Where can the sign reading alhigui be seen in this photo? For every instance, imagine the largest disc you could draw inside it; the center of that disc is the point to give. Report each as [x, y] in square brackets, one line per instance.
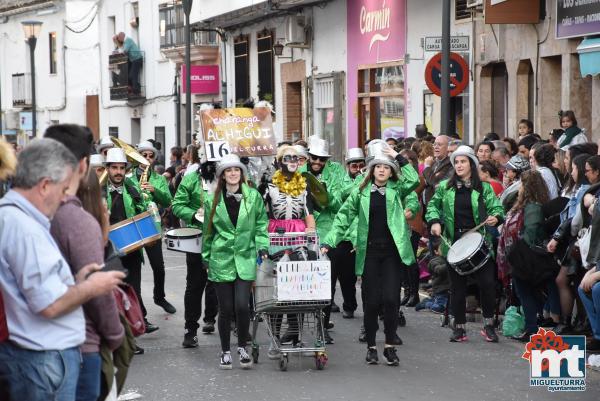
[577, 18]
[243, 131]
[204, 79]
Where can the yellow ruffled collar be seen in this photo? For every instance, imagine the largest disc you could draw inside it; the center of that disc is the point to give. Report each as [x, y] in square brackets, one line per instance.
[293, 187]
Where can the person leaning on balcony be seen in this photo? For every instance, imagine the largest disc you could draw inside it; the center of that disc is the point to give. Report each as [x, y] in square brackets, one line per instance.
[134, 55]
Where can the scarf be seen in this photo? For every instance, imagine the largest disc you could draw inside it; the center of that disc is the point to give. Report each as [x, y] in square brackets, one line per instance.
[570, 133]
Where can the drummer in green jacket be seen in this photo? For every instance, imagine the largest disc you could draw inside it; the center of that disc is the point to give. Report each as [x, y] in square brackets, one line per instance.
[188, 206]
[124, 200]
[383, 246]
[459, 205]
[154, 189]
[334, 177]
[235, 233]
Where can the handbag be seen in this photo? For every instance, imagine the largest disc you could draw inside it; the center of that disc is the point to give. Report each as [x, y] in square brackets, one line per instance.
[129, 305]
[583, 241]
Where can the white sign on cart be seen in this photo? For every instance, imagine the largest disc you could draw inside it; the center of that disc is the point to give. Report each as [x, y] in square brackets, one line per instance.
[304, 280]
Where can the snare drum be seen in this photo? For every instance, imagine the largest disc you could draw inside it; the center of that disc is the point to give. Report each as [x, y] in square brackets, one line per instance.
[184, 240]
[469, 254]
[134, 233]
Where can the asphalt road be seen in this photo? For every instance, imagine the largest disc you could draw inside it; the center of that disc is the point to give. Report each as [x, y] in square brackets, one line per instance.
[430, 368]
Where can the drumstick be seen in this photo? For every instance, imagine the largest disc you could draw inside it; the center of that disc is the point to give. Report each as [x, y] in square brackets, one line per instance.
[475, 228]
[446, 242]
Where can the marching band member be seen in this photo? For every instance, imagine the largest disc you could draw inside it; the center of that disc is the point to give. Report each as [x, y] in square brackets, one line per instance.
[235, 232]
[460, 203]
[105, 144]
[158, 189]
[334, 177]
[383, 246]
[187, 205]
[124, 200]
[97, 164]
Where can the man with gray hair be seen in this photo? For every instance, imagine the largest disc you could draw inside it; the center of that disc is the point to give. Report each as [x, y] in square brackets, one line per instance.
[437, 168]
[42, 299]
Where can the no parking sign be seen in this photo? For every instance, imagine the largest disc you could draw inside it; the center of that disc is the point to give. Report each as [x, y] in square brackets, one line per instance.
[459, 74]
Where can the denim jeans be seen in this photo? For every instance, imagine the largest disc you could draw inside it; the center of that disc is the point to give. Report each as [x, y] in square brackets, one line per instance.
[591, 302]
[38, 375]
[88, 385]
[533, 303]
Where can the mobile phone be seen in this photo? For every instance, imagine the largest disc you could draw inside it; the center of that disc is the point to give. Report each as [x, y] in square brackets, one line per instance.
[107, 267]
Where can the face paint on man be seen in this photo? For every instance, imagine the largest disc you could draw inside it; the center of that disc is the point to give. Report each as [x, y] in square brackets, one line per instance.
[289, 164]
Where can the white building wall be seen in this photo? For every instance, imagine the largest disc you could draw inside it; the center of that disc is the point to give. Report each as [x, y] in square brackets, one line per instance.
[424, 18]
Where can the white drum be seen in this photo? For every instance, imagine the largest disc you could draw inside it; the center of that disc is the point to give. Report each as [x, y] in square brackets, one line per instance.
[469, 254]
[184, 240]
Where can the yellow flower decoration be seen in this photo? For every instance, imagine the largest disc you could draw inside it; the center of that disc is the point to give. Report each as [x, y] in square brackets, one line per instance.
[293, 187]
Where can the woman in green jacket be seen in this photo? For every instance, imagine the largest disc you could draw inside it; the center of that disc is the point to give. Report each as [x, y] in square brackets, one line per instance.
[382, 242]
[460, 204]
[235, 232]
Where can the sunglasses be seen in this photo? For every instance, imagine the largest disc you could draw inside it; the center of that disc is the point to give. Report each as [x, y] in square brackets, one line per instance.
[290, 159]
[315, 158]
[150, 155]
[356, 165]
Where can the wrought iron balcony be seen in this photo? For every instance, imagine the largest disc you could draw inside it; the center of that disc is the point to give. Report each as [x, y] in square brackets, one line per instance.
[123, 84]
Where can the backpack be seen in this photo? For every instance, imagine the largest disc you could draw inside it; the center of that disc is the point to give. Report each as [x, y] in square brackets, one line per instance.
[129, 306]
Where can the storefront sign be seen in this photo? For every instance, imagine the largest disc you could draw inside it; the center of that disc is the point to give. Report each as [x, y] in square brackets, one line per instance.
[377, 31]
[204, 79]
[243, 131]
[577, 18]
[457, 44]
[512, 12]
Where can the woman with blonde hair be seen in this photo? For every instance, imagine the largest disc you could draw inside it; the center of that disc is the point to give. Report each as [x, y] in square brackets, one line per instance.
[426, 150]
[560, 166]
[8, 165]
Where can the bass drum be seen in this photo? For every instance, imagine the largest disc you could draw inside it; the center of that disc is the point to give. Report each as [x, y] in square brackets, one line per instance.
[469, 254]
[184, 240]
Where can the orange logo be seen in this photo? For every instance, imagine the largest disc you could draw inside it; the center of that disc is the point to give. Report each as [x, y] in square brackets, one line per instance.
[542, 341]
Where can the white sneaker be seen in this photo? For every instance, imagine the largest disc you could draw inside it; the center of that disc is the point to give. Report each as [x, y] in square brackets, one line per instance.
[225, 360]
[245, 359]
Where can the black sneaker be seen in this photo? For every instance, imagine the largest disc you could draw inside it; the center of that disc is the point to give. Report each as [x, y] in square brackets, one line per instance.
[150, 328]
[458, 335]
[163, 303]
[330, 326]
[138, 350]
[362, 338]
[390, 356]
[372, 358]
[524, 337]
[489, 333]
[289, 338]
[225, 360]
[190, 339]
[208, 328]
[397, 340]
[327, 338]
[348, 314]
[245, 359]
[334, 308]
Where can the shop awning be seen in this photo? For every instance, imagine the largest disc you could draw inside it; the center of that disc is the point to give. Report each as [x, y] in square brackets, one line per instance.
[589, 57]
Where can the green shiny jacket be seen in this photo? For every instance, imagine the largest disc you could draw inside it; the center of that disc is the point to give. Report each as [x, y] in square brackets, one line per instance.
[231, 251]
[188, 199]
[336, 179]
[357, 207]
[132, 207]
[440, 209]
[161, 195]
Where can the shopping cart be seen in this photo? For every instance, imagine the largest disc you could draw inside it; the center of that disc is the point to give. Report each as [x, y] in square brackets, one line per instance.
[296, 281]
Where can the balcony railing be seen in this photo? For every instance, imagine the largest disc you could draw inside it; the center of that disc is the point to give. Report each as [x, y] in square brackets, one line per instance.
[21, 89]
[123, 84]
[175, 37]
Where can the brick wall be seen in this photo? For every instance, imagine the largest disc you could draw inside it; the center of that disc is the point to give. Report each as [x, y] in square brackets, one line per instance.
[293, 81]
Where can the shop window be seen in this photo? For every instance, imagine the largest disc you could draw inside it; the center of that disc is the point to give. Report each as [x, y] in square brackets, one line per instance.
[52, 51]
[381, 101]
[328, 99]
[264, 48]
[242, 68]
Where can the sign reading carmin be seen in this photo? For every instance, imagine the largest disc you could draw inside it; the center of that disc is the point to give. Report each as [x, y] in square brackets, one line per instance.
[243, 131]
[304, 281]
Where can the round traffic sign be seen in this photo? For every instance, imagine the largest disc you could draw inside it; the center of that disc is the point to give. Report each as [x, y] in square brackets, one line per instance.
[459, 74]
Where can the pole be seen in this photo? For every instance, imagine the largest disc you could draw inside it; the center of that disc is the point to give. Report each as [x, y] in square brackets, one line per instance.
[224, 78]
[187, 8]
[445, 114]
[32, 42]
[177, 110]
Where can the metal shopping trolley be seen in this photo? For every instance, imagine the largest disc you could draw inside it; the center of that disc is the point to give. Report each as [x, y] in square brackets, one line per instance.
[295, 281]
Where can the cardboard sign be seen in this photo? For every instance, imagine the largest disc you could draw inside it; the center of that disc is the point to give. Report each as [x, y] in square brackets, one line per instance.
[243, 131]
[304, 281]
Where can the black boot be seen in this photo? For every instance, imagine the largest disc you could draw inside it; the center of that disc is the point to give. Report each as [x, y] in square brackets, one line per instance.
[413, 275]
[564, 327]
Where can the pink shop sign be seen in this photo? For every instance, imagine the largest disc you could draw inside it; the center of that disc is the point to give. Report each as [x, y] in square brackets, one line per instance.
[204, 79]
[377, 31]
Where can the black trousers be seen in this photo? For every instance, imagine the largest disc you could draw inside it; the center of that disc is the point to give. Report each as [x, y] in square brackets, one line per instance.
[133, 263]
[157, 263]
[332, 255]
[485, 278]
[234, 299]
[381, 285]
[196, 282]
[134, 74]
[345, 271]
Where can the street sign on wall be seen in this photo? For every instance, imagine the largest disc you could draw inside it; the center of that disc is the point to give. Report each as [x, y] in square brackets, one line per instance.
[577, 18]
[204, 79]
[459, 74]
[457, 44]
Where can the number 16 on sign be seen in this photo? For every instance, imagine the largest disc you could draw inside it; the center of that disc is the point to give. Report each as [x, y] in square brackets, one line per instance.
[216, 150]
